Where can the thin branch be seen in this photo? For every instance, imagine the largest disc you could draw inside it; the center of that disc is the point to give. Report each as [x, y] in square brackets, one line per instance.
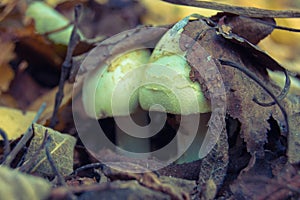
[61, 180]
[66, 66]
[27, 135]
[55, 171]
[243, 11]
[282, 94]
[261, 84]
[274, 25]
[88, 166]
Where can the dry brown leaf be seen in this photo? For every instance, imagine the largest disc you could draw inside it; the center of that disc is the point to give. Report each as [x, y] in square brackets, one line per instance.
[121, 190]
[292, 105]
[121, 171]
[213, 166]
[253, 185]
[6, 55]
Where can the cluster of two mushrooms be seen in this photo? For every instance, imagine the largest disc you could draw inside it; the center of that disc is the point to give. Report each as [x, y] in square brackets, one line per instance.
[159, 82]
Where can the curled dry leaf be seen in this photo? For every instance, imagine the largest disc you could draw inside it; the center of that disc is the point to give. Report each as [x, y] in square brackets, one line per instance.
[294, 137]
[214, 165]
[148, 180]
[241, 90]
[61, 149]
[247, 28]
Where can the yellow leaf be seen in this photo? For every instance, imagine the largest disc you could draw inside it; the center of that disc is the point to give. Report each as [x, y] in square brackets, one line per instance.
[15, 122]
[16, 185]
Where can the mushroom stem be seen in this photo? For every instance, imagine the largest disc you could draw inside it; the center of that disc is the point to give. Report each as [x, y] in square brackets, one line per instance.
[187, 139]
[133, 139]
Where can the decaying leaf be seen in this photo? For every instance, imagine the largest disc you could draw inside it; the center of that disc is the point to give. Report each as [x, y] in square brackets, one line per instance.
[250, 29]
[213, 166]
[294, 138]
[122, 190]
[240, 89]
[15, 122]
[256, 185]
[18, 186]
[61, 149]
[148, 180]
[133, 190]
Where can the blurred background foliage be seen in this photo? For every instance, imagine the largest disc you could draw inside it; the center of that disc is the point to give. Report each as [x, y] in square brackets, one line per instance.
[283, 46]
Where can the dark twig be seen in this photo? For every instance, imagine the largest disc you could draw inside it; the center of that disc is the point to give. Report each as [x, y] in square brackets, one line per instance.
[27, 165]
[27, 135]
[55, 171]
[243, 11]
[6, 145]
[274, 25]
[88, 166]
[66, 66]
[282, 94]
[261, 84]
[60, 178]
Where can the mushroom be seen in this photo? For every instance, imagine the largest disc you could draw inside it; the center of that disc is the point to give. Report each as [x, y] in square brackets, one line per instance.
[109, 91]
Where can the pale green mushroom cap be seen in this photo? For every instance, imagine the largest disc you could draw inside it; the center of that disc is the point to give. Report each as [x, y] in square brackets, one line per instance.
[167, 83]
[115, 82]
